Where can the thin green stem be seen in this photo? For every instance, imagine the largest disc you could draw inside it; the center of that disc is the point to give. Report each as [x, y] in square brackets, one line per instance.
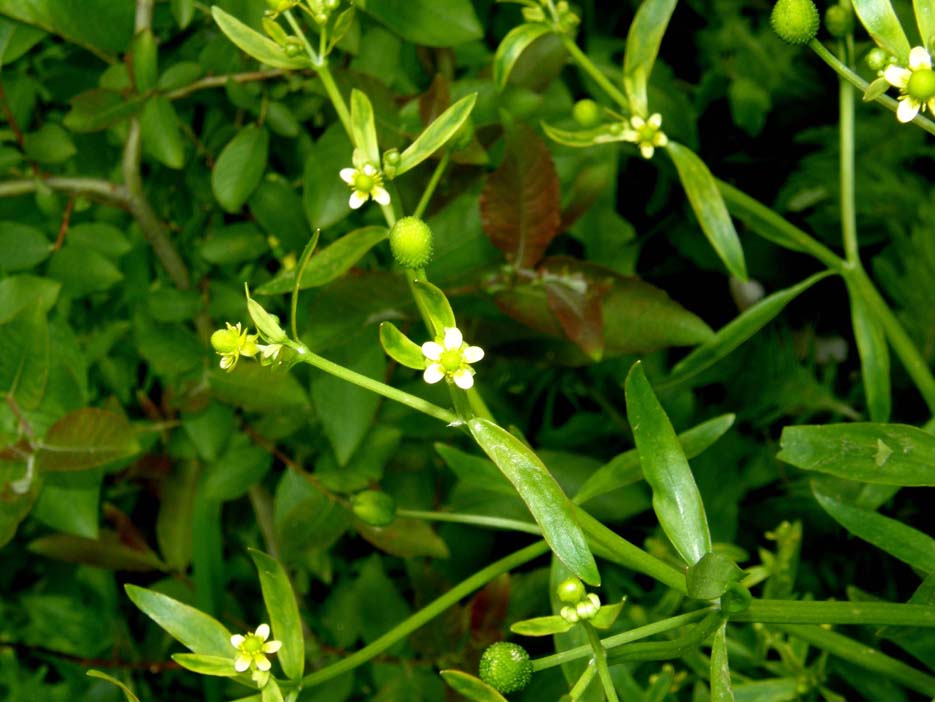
[866, 613]
[222, 80]
[575, 693]
[588, 66]
[300, 270]
[297, 28]
[432, 184]
[846, 141]
[337, 100]
[387, 391]
[91, 187]
[427, 613]
[480, 520]
[600, 660]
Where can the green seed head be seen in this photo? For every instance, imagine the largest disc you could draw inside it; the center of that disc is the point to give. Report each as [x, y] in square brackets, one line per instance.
[506, 667]
[795, 21]
[922, 84]
[411, 242]
[587, 113]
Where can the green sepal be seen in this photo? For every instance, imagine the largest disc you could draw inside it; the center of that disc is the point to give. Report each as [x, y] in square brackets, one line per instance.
[267, 324]
[541, 626]
[400, 347]
[207, 665]
[471, 687]
[876, 89]
[364, 128]
[607, 615]
[711, 577]
[437, 134]
[435, 304]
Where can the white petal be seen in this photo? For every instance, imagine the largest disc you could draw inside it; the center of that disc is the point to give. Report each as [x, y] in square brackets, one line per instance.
[433, 373]
[908, 109]
[655, 120]
[453, 338]
[646, 150]
[262, 662]
[357, 199]
[262, 631]
[369, 170]
[897, 76]
[241, 664]
[637, 122]
[272, 646]
[348, 175]
[464, 378]
[228, 362]
[358, 159]
[660, 139]
[380, 195]
[432, 351]
[630, 135]
[237, 640]
[919, 58]
[472, 354]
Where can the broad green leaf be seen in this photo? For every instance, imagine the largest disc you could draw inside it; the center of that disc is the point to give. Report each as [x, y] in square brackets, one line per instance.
[97, 109]
[624, 469]
[161, 135]
[283, 613]
[174, 531]
[236, 470]
[400, 347]
[145, 57]
[16, 38]
[643, 40]
[127, 692]
[24, 357]
[512, 47]
[884, 26]
[547, 503]
[576, 301]
[925, 19]
[405, 538]
[364, 127]
[22, 246]
[255, 44]
[471, 687]
[874, 358]
[324, 194]
[71, 502]
[436, 134]
[102, 26]
[254, 388]
[427, 22]
[710, 577]
[435, 304]
[83, 270]
[104, 238]
[192, 628]
[541, 626]
[709, 207]
[739, 330]
[14, 508]
[50, 144]
[234, 243]
[183, 11]
[240, 167]
[475, 470]
[86, 438]
[721, 690]
[329, 263]
[676, 499]
[886, 454]
[278, 209]
[107, 551]
[20, 291]
[897, 539]
[207, 665]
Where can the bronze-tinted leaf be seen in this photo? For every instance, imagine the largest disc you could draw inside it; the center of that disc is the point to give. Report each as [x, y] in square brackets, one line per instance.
[520, 202]
[575, 299]
[106, 552]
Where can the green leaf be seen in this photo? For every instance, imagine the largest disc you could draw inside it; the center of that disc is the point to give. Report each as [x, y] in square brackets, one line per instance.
[278, 209]
[405, 538]
[145, 57]
[240, 167]
[271, 692]
[20, 291]
[874, 358]
[24, 357]
[607, 615]
[925, 19]
[183, 11]
[474, 470]
[547, 503]
[643, 40]
[363, 127]
[676, 499]
[71, 502]
[83, 271]
[104, 238]
[884, 454]
[86, 438]
[884, 26]
[107, 551]
[14, 508]
[127, 692]
[435, 304]
[709, 207]
[624, 469]
[192, 628]
[436, 134]
[268, 324]
[427, 22]
[161, 134]
[710, 577]
[721, 690]
[739, 330]
[97, 109]
[324, 194]
[16, 39]
[174, 532]
[283, 613]
[400, 347]
[235, 243]
[102, 26]
[207, 665]
[471, 687]
[23, 247]
[254, 388]
[581, 138]
[50, 144]
[541, 626]
[330, 263]
[897, 539]
[255, 44]
[511, 48]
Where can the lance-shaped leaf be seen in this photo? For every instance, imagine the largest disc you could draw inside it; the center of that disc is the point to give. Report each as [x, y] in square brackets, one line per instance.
[884, 454]
[192, 628]
[400, 347]
[709, 207]
[874, 358]
[433, 302]
[86, 438]
[721, 690]
[127, 692]
[512, 47]
[101, 26]
[884, 26]
[255, 44]
[541, 626]
[427, 22]
[925, 19]
[676, 499]
[206, 665]
[584, 138]
[710, 577]
[471, 687]
[283, 613]
[739, 330]
[643, 40]
[108, 551]
[436, 134]
[576, 302]
[548, 505]
[607, 615]
[520, 202]
[364, 127]
[897, 539]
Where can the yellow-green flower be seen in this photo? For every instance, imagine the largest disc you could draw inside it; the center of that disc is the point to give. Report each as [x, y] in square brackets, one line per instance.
[252, 649]
[646, 134]
[916, 84]
[366, 182]
[450, 357]
[232, 343]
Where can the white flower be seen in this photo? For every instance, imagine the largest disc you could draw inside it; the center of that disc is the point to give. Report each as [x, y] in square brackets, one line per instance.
[646, 134]
[448, 356]
[366, 182]
[916, 83]
[252, 649]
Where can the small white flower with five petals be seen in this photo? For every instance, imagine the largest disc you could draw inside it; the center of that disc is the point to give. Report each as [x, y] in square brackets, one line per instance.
[450, 357]
[646, 133]
[916, 83]
[366, 182]
[252, 649]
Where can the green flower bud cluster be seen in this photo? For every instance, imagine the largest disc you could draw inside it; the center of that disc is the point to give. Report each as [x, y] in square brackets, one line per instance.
[795, 21]
[390, 163]
[411, 242]
[580, 605]
[321, 9]
[506, 667]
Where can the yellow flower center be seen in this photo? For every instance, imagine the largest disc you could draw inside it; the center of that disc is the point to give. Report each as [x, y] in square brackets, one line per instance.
[921, 84]
[252, 645]
[364, 183]
[451, 360]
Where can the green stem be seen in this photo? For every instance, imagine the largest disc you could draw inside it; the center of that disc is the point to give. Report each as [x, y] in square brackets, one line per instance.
[575, 693]
[297, 28]
[600, 660]
[337, 100]
[473, 519]
[866, 613]
[668, 650]
[90, 187]
[300, 270]
[416, 403]
[846, 140]
[588, 66]
[427, 613]
[432, 184]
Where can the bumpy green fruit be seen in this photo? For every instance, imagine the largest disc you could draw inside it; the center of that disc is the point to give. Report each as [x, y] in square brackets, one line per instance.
[795, 21]
[411, 242]
[374, 508]
[587, 113]
[506, 667]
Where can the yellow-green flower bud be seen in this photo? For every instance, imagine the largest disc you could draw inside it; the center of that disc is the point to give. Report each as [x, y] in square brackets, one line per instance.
[878, 59]
[571, 590]
[226, 340]
[839, 20]
[795, 21]
[411, 242]
[374, 508]
[390, 163]
[506, 667]
[587, 113]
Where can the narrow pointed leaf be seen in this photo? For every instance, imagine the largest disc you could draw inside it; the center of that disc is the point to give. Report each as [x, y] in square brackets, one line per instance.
[162, 136]
[607, 615]
[434, 302]
[107, 551]
[541, 626]
[576, 302]
[547, 503]
[643, 40]
[925, 19]
[127, 692]
[207, 665]
[676, 499]
[436, 134]
[874, 359]
[580, 138]
[721, 690]
[512, 47]
[240, 166]
[194, 629]
[471, 687]
[255, 44]
[427, 22]
[709, 207]
[884, 26]
[363, 127]
[400, 347]
[283, 613]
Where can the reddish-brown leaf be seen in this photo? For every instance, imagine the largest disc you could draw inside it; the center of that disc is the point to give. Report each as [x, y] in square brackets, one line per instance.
[435, 100]
[520, 202]
[575, 298]
[489, 611]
